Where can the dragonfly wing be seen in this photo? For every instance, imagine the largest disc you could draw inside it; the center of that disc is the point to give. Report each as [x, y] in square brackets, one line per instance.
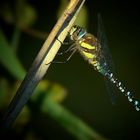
[106, 58]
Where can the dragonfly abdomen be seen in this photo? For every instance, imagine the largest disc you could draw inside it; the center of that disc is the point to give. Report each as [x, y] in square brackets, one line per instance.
[109, 75]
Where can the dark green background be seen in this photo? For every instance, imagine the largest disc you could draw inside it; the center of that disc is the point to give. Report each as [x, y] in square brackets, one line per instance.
[87, 95]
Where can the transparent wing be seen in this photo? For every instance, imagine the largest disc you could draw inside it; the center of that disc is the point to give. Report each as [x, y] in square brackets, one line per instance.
[106, 57]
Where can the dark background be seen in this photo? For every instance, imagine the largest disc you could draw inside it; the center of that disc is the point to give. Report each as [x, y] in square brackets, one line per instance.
[87, 95]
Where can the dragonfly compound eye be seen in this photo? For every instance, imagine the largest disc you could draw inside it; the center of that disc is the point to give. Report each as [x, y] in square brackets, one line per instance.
[76, 33]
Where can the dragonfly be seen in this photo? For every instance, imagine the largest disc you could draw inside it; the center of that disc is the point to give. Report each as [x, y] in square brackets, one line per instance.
[93, 49]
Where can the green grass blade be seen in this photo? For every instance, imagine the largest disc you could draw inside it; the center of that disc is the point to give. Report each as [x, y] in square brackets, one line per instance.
[46, 96]
[15, 39]
[9, 60]
[70, 122]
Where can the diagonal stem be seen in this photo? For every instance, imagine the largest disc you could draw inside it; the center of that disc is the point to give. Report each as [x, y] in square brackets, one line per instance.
[39, 67]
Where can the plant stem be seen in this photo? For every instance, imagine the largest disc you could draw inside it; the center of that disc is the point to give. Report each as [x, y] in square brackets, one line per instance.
[42, 61]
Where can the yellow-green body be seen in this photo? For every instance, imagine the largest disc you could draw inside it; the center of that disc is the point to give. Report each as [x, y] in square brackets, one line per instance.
[89, 48]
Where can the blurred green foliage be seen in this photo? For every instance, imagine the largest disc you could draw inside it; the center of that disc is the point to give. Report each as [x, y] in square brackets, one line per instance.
[74, 87]
[48, 96]
[9, 59]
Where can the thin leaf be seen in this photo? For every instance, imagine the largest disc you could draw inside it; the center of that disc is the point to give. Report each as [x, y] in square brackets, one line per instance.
[46, 98]
[9, 60]
[15, 39]
[70, 122]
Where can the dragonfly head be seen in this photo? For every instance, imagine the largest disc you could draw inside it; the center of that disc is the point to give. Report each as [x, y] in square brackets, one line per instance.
[77, 32]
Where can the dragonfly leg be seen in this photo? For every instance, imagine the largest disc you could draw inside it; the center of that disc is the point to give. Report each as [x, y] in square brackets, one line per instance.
[71, 48]
[62, 62]
[63, 43]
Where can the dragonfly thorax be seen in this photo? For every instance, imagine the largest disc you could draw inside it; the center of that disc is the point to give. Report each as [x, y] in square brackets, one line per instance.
[77, 33]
